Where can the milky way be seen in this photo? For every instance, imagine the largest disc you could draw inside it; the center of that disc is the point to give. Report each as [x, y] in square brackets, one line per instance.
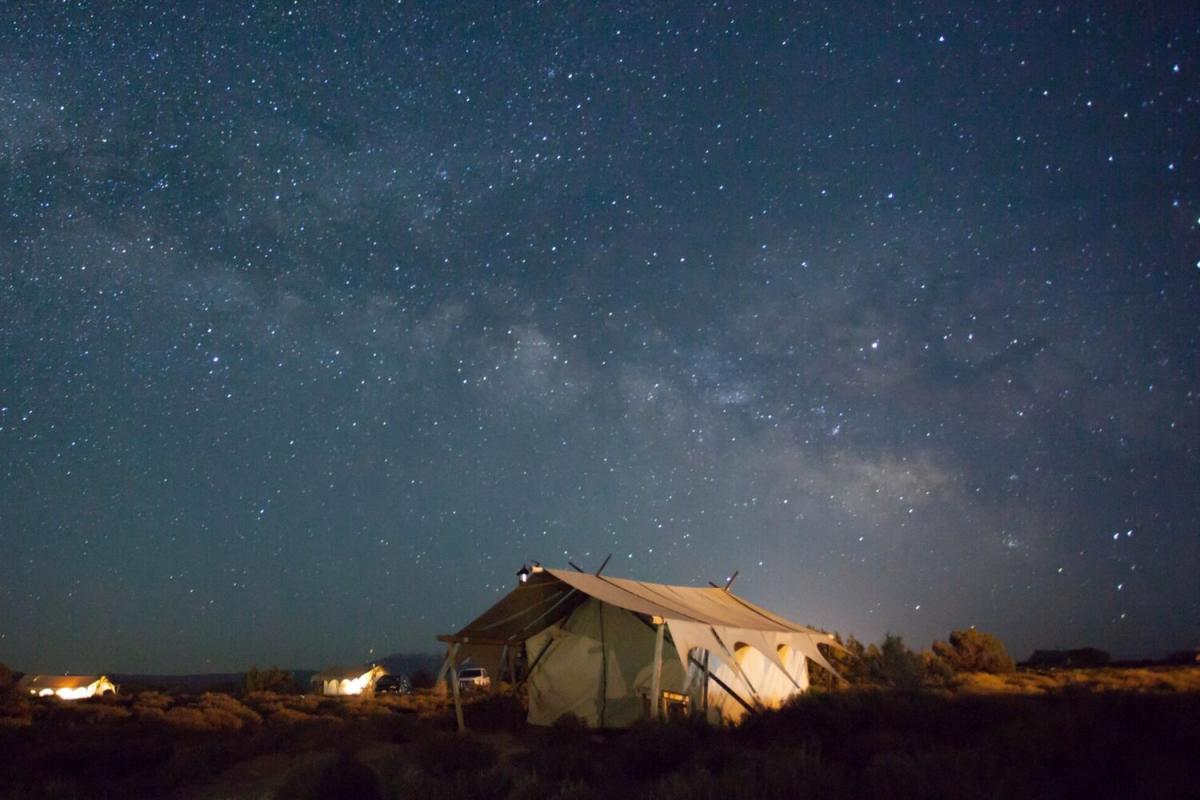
[316, 324]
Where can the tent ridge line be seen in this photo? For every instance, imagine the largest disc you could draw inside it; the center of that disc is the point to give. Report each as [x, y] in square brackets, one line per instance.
[527, 610]
[644, 585]
[796, 628]
[775, 625]
[633, 594]
[730, 594]
[545, 613]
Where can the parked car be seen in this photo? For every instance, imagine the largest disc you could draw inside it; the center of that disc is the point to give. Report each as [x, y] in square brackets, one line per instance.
[393, 684]
[471, 678]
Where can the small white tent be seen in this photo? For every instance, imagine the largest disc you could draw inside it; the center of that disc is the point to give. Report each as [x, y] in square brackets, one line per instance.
[612, 651]
[353, 680]
[66, 687]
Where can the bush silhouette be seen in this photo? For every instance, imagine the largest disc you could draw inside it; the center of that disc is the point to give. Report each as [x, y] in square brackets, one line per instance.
[272, 679]
[894, 664]
[974, 651]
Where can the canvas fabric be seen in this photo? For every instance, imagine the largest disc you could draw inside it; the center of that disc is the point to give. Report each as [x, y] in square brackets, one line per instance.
[599, 667]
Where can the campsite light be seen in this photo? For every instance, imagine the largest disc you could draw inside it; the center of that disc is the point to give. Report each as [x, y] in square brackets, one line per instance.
[523, 573]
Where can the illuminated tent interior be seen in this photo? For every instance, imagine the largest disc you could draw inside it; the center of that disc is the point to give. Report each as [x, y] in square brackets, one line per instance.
[67, 687]
[613, 651]
[353, 680]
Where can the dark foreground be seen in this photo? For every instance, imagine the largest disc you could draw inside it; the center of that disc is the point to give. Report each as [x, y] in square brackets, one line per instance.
[877, 745]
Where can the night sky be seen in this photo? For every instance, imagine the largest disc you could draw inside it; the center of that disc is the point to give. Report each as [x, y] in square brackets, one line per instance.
[315, 324]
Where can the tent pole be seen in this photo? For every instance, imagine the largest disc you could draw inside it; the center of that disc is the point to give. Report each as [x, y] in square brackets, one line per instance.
[495, 687]
[437, 682]
[533, 665]
[728, 689]
[655, 683]
[458, 712]
[704, 689]
[733, 662]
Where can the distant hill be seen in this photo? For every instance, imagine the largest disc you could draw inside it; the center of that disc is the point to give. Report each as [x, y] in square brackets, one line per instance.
[408, 663]
[186, 684]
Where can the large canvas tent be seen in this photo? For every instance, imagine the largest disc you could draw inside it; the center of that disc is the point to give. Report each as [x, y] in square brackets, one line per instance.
[612, 651]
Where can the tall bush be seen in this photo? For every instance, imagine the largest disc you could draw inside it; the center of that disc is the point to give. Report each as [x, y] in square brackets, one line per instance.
[974, 651]
[271, 679]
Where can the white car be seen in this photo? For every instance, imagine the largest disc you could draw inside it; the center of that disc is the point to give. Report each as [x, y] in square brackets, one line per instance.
[471, 678]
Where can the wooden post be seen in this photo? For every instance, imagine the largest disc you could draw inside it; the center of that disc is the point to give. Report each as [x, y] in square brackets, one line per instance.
[704, 689]
[458, 712]
[655, 684]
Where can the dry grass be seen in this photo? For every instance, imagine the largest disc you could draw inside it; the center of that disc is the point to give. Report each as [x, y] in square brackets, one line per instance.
[1104, 679]
[1103, 732]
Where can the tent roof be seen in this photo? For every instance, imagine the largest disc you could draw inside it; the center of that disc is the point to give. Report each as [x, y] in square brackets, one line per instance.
[58, 681]
[342, 673]
[550, 594]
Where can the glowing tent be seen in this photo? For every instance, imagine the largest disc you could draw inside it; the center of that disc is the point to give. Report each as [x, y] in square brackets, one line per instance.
[347, 680]
[612, 651]
[66, 687]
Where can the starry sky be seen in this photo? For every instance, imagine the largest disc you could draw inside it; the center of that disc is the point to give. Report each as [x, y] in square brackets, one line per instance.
[316, 322]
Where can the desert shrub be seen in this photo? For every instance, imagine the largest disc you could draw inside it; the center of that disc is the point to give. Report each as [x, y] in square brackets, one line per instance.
[288, 716]
[266, 703]
[569, 729]
[444, 754]
[194, 759]
[186, 717]
[271, 679]
[96, 712]
[973, 650]
[497, 712]
[751, 775]
[347, 777]
[893, 664]
[499, 782]
[149, 714]
[937, 672]
[152, 699]
[15, 709]
[230, 705]
[650, 749]
[8, 679]
[850, 663]
[564, 752]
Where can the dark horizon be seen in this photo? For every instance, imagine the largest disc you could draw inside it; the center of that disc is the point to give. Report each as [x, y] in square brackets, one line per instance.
[316, 323]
